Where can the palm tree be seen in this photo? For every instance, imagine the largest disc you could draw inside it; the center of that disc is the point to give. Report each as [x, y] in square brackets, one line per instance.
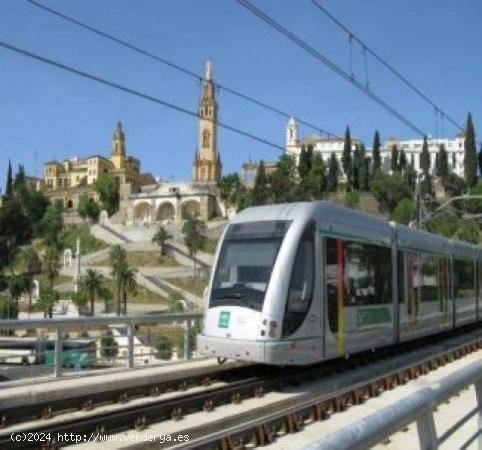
[160, 238]
[118, 261]
[33, 266]
[51, 265]
[92, 284]
[129, 284]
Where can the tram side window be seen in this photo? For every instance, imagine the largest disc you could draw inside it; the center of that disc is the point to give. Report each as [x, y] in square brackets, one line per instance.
[464, 279]
[300, 293]
[368, 278]
[428, 280]
[356, 274]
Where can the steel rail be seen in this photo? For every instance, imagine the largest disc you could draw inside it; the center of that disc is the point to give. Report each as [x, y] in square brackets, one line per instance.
[290, 414]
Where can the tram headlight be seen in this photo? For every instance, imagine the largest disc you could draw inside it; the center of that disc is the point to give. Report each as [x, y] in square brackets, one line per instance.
[274, 329]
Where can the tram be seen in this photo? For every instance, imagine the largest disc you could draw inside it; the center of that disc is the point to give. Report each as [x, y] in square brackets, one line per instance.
[294, 284]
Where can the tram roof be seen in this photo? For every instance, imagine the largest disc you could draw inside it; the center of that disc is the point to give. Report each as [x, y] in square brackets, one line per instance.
[354, 224]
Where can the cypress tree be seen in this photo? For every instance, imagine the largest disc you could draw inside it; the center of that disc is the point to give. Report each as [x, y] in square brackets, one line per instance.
[9, 186]
[442, 163]
[394, 162]
[480, 161]
[303, 166]
[470, 157]
[19, 180]
[425, 158]
[377, 160]
[403, 161]
[346, 159]
[333, 171]
[260, 188]
[316, 184]
[362, 169]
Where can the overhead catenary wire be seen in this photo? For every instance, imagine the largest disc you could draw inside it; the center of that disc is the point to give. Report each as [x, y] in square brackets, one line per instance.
[386, 64]
[330, 64]
[179, 68]
[136, 93]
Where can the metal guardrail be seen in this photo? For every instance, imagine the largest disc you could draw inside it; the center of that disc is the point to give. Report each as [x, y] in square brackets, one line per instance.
[416, 407]
[60, 326]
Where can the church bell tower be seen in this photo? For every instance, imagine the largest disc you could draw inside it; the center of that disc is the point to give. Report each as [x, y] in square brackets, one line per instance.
[118, 154]
[207, 162]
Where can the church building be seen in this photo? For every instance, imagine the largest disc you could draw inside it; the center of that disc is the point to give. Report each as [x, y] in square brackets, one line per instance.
[177, 201]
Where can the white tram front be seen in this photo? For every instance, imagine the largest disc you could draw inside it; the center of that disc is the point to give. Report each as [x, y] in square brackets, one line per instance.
[302, 282]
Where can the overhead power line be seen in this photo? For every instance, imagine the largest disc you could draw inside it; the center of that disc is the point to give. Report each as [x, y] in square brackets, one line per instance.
[330, 64]
[177, 67]
[136, 93]
[386, 64]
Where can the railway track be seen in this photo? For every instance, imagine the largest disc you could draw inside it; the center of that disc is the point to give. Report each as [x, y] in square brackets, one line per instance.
[312, 393]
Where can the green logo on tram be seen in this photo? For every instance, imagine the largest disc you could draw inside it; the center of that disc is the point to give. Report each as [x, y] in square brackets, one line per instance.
[223, 321]
[372, 316]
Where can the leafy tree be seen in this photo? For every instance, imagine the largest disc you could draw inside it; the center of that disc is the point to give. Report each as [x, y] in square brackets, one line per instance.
[389, 190]
[174, 303]
[346, 159]
[47, 299]
[14, 231]
[51, 267]
[470, 157]
[377, 160]
[260, 189]
[18, 285]
[442, 163]
[333, 171]
[229, 187]
[404, 211]
[316, 180]
[163, 347]
[52, 225]
[34, 205]
[8, 307]
[92, 284]
[425, 158]
[9, 185]
[454, 185]
[33, 266]
[106, 296]
[402, 161]
[80, 299]
[445, 224]
[109, 348]
[468, 231]
[352, 199]
[194, 231]
[394, 160]
[283, 179]
[160, 238]
[108, 189]
[473, 205]
[88, 208]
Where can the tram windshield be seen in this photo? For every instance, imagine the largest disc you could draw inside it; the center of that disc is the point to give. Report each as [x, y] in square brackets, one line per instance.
[245, 263]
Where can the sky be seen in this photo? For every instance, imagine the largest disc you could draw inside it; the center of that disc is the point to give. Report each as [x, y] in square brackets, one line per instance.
[46, 113]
